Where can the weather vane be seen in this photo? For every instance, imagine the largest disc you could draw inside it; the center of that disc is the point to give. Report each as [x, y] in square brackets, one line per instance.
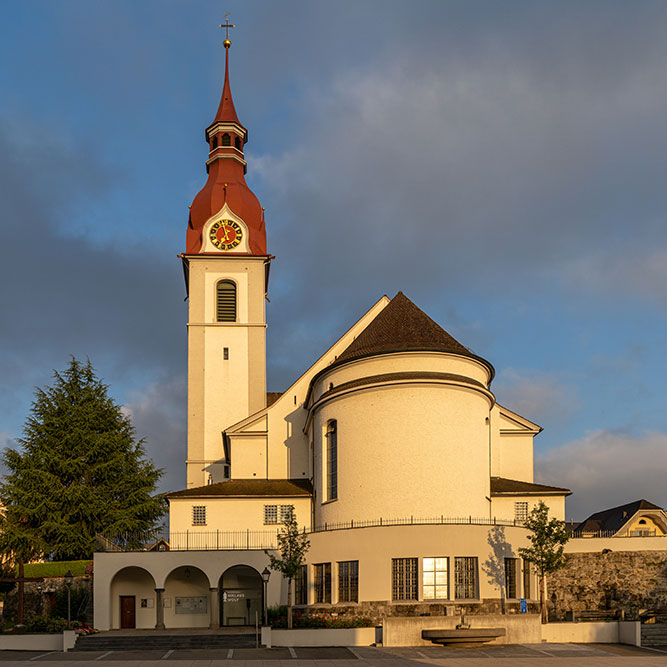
[227, 25]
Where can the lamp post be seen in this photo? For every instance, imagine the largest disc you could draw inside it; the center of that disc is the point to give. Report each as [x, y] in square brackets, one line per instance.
[69, 578]
[265, 580]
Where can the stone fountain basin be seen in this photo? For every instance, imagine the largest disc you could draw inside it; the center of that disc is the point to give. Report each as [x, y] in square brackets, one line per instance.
[463, 637]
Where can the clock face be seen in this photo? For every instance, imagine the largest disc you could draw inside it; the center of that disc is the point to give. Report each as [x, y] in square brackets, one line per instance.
[225, 234]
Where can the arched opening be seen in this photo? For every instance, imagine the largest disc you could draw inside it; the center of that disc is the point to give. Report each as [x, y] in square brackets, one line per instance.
[225, 301]
[133, 599]
[187, 598]
[241, 596]
[237, 142]
[226, 140]
[214, 143]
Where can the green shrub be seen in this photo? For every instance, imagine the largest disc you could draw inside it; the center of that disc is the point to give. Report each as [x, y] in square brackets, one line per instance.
[46, 624]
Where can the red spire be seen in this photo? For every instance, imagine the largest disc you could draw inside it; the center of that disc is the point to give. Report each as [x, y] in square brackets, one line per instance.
[226, 111]
[226, 184]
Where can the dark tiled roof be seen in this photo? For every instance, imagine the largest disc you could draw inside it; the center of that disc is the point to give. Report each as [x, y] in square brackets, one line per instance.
[402, 327]
[272, 397]
[514, 487]
[614, 518]
[411, 375]
[249, 487]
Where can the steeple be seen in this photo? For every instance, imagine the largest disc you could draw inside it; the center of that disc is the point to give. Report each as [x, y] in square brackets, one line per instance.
[226, 167]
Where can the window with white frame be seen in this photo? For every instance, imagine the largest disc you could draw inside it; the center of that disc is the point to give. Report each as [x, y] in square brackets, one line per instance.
[322, 582]
[465, 577]
[520, 510]
[404, 578]
[511, 588]
[435, 578]
[348, 581]
[270, 514]
[199, 515]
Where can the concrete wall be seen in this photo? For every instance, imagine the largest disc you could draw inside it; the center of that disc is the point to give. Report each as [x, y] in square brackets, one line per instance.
[318, 637]
[59, 642]
[583, 633]
[520, 628]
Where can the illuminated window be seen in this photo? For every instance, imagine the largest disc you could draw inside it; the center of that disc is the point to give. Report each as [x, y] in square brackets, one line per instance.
[435, 578]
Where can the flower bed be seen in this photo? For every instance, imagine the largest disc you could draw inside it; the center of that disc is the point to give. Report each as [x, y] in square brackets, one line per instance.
[300, 619]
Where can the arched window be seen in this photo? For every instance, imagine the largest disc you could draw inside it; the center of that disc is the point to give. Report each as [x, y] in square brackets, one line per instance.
[214, 143]
[332, 460]
[226, 140]
[237, 143]
[225, 301]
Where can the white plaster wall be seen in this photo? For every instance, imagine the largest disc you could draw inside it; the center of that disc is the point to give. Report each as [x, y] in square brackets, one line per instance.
[515, 457]
[187, 581]
[503, 507]
[133, 581]
[233, 514]
[434, 362]
[375, 547]
[583, 633]
[222, 392]
[405, 449]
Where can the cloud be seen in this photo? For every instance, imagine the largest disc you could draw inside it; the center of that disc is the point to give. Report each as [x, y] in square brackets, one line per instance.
[158, 413]
[607, 468]
[540, 397]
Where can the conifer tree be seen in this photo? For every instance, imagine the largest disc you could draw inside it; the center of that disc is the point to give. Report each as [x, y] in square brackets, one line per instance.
[80, 472]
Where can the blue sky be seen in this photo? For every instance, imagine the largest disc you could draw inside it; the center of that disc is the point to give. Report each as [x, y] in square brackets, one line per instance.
[501, 163]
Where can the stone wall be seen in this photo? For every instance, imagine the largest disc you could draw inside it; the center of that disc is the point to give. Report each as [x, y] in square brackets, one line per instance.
[628, 580]
[39, 597]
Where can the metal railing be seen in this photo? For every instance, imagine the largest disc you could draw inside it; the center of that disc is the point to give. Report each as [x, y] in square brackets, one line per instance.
[585, 534]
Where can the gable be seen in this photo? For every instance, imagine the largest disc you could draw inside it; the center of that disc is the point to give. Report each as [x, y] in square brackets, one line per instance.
[512, 423]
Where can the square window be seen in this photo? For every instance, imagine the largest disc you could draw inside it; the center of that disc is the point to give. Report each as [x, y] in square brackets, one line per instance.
[199, 515]
[270, 514]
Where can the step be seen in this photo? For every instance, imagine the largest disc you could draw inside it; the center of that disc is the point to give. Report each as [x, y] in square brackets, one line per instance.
[163, 641]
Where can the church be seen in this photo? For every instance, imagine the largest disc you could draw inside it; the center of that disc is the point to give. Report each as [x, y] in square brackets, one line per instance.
[390, 450]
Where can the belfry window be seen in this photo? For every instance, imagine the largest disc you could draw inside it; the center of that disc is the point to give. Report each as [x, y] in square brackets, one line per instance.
[237, 143]
[226, 140]
[225, 301]
[332, 460]
[214, 143]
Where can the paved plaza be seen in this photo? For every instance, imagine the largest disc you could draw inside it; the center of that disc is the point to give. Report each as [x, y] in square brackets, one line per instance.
[544, 655]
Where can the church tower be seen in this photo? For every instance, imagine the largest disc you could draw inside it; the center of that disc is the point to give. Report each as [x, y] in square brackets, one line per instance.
[226, 268]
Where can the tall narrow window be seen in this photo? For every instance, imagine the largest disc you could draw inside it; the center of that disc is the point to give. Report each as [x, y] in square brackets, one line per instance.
[526, 579]
[214, 143]
[348, 581]
[323, 583]
[510, 578]
[332, 460]
[226, 301]
[520, 511]
[270, 514]
[237, 143]
[226, 140]
[465, 577]
[435, 578]
[301, 586]
[404, 578]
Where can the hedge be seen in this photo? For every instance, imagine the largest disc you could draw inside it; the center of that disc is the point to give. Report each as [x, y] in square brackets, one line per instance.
[55, 569]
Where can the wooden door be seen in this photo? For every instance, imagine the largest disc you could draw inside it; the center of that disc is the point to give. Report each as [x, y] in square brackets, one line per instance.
[127, 607]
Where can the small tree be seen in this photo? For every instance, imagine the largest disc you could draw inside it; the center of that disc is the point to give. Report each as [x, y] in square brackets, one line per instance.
[547, 539]
[80, 472]
[293, 546]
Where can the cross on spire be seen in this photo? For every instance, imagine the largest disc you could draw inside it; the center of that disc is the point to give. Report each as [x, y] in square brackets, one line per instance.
[227, 25]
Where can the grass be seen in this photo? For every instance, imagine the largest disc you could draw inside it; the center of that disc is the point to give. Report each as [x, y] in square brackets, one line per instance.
[56, 569]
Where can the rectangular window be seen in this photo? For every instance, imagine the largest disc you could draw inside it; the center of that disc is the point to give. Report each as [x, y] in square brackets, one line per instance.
[332, 460]
[435, 578]
[511, 565]
[270, 514]
[526, 579]
[404, 578]
[301, 586]
[286, 512]
[323, 583]
[520, 511]
[348, 581]
[465, 577]
[199, 515]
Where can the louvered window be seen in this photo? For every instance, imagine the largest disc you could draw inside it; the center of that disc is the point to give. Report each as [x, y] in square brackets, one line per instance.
[226, 140]
[332, 460]
[226, 301]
